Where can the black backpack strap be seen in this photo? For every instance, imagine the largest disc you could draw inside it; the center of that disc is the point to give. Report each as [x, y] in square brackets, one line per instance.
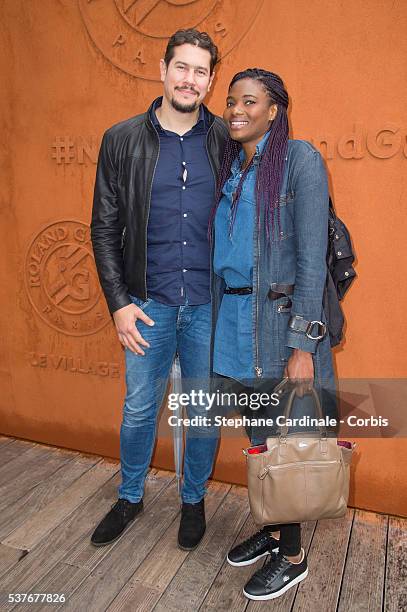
[340, 273]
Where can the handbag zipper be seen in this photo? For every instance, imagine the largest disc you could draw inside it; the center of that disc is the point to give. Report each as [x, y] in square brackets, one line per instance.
[269, 468]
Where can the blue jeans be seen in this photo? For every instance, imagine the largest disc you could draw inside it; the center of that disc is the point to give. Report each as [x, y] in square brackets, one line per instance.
[182, 329]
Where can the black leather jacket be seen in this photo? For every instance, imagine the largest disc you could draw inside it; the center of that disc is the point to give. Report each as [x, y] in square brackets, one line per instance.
[121, 204]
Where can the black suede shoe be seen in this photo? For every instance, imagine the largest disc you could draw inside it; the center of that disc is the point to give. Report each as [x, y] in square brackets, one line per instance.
[275, 578]
[258, 545]
[192, 525]
[115, 522]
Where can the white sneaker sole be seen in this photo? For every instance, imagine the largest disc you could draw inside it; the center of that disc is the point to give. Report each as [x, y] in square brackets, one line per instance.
[243, 563]
[280, 592]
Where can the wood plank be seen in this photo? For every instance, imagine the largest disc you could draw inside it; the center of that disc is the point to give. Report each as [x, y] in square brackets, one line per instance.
[26, 453]
[285, 602]
[155, 573]
[38, 562]
[64, 575]
[226, 592]
[162, 576]
[16, 513]
[363, 578]
[122, 558]
[9, 557]
[53, 578]
[326, 560]
[88, 556]
[35, 528]
[193, 580]
[395, 595]
[4, 440]
[27, 471]
[12, 450]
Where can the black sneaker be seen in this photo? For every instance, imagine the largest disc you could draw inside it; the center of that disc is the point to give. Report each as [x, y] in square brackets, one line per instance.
[192, 525]
[258, 545]
[275, 578]
[115, 522]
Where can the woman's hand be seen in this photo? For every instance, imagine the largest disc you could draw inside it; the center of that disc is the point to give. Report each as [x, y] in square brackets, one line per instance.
[300, 371]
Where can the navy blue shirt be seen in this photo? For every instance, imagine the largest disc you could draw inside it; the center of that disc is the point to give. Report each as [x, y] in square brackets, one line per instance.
[182, 196]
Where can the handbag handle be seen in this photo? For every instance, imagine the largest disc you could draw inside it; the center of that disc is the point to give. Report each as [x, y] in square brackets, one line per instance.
[280, 388]
[282, 431]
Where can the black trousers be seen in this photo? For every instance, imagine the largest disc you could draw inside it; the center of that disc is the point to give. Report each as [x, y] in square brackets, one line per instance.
[290, 533]
[290, 538]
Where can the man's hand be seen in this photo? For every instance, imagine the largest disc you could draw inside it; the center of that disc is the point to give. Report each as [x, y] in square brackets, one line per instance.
[125, 320]
[300, 371]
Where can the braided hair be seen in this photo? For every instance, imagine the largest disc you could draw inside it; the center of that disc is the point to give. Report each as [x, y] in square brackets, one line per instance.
[271, 168]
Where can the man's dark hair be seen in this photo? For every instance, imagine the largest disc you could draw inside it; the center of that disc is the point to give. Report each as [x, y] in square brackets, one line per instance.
[192, 37]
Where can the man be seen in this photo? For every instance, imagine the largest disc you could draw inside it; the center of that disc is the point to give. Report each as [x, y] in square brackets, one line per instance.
[155, 187]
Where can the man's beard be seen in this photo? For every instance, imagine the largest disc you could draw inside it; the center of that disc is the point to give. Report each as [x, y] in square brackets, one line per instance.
[184, 108]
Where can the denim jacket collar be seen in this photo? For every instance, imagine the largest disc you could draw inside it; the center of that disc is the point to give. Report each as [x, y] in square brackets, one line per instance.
[237, 163]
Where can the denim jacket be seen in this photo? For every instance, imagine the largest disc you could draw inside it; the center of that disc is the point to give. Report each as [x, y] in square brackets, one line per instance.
[294, 255]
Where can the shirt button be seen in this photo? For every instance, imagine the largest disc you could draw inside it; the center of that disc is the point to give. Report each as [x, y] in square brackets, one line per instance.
[346, 273]
[185, 270]
[339, 253]
[184, 163]
[183, 187]
[185, 215]
[184, 242]
[181, 139]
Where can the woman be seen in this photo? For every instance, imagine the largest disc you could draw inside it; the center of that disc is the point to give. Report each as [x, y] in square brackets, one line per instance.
[269, 232]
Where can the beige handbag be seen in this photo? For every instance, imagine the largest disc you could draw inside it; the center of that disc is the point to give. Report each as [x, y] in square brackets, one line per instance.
[301, 477]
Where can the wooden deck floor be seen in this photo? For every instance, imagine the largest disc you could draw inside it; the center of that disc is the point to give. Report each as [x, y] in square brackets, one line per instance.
[51, 500]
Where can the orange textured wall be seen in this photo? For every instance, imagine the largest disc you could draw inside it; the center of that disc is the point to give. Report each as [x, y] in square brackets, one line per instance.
[70, 69]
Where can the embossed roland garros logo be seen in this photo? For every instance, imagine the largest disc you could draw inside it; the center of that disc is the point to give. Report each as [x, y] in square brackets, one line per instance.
[144, 15]
[61, 279]
[132, 34]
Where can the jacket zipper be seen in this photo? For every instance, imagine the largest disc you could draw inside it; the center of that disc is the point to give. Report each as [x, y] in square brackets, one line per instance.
[258, 369]
[148, 211]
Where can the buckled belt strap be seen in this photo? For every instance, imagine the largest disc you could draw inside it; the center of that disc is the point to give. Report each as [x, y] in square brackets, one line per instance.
[299, 324]
[238, 290]
[278, 290]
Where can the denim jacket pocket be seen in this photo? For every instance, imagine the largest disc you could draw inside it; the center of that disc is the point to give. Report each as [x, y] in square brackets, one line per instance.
[286, 227]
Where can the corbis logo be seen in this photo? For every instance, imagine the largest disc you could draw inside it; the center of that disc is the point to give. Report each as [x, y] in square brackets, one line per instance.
[61, 279]
[132, 34]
